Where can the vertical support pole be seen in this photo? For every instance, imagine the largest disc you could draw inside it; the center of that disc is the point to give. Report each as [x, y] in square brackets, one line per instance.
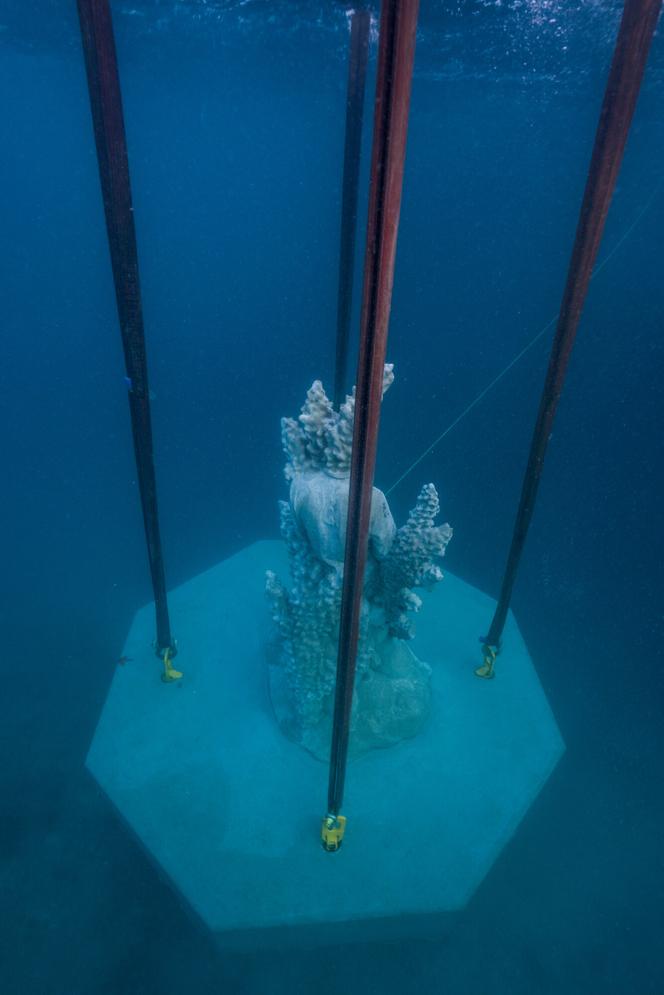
[395, 69]
[622, 89]
[360, 20]
[106, 104]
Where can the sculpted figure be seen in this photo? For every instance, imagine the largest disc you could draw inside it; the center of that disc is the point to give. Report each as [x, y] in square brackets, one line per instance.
[392, 689]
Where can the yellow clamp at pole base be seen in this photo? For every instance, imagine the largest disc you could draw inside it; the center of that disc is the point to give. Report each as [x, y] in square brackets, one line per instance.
[169, 674]
[332, 832]
[486, 670]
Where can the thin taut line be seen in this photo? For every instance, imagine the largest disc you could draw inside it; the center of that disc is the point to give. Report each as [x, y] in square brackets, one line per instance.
[598, 269]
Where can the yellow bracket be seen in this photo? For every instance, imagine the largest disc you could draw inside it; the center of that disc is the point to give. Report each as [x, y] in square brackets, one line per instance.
[169, 674]
[486, 670]
[332, 832]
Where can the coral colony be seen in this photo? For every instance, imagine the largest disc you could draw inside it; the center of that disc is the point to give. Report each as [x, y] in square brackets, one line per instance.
[392, 690]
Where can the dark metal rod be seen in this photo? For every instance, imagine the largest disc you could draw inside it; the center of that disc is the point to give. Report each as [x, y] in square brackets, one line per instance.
[357, 74]
[622, 89]
[395, 68]
[106, 103]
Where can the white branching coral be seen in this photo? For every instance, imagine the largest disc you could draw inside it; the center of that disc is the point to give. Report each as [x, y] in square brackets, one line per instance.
[308, 621]
[411, 562]
[322, 438]
[305, 615]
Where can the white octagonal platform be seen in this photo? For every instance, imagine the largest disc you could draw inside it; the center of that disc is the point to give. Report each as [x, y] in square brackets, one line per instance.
[231, 810]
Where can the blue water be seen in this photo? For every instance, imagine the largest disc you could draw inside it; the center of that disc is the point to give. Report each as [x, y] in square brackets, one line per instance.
[235, 118]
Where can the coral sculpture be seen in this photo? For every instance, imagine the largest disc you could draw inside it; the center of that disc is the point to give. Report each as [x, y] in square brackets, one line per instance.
[392, 687]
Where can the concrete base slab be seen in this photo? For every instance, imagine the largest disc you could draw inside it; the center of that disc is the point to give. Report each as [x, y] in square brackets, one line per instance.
[231, 810]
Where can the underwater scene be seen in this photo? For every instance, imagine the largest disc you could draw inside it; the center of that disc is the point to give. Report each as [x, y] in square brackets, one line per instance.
[332, 602]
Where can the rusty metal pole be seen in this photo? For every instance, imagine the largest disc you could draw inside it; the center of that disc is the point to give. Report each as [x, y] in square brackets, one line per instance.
[360, 21]
[108, 121]
[396, 51]
[622, 89]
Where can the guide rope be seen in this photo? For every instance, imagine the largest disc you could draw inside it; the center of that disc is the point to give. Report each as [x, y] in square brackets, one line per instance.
[622, 89]
[529, 345]
[396, 51]
[110, 139]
